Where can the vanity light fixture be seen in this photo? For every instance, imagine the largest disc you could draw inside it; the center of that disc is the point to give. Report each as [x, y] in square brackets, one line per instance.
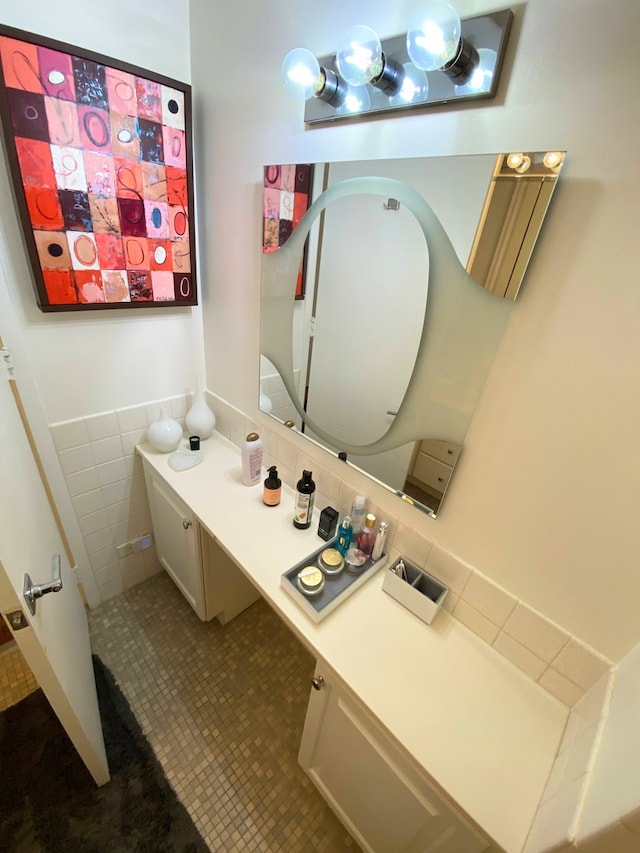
[440, 59]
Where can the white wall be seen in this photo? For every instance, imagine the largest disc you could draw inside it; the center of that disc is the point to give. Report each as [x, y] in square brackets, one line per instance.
[544, 500]
[99, 361]
[68, 365]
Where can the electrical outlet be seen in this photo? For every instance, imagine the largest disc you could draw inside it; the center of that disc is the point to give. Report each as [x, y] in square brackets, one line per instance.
[123, 549]
[141, 542]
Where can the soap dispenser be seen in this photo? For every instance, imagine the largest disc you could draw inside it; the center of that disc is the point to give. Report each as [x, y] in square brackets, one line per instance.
[303, 511]
[272, 488]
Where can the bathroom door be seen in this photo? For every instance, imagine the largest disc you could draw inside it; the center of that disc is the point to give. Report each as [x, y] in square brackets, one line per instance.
[55, 643]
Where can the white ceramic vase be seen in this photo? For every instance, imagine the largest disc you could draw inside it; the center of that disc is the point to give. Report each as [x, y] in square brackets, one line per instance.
[200, 420]
[165, 433]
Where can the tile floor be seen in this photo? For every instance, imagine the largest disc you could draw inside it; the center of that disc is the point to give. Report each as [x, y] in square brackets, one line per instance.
[223, 708]
[16, 679]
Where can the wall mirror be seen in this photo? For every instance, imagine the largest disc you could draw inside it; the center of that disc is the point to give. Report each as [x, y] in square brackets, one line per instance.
[384, 303]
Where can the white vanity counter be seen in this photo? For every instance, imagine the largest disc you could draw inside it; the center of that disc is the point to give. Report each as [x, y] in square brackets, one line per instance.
[485, 733]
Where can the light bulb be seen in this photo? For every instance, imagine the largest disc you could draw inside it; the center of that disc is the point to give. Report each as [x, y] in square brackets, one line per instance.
[356, 100]
[523, 166]
[481, 77]
[301, 74]
[359, 55]
[514, 160]
[552, 159]
[414, 89]
[434, 36]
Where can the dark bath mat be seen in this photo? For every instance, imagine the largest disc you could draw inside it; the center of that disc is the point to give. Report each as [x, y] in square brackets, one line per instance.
[49, 803]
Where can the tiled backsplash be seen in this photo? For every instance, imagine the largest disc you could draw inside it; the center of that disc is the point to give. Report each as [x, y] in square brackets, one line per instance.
[554, 826]
[105, 480]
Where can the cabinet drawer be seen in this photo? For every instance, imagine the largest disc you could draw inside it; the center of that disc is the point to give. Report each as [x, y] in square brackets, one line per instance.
[431, 472]
[445, 451]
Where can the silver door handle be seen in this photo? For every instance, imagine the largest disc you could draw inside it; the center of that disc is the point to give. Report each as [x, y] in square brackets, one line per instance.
[392, 412]
[32, 592]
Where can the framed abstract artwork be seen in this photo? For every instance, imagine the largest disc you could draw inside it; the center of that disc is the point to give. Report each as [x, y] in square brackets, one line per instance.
[100, 155]
[286, 198]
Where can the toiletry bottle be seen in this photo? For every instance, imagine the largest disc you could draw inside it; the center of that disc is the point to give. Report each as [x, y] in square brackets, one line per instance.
[344, 536]
[303, 510]
[251, 459]
[272, 488]
[358, 513]
[381, 540]
[367, 536]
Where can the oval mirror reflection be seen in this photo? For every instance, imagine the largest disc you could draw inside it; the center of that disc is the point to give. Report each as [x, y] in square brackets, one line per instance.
[369, 300]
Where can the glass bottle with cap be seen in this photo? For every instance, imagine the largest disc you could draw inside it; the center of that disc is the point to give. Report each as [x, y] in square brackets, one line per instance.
[367, 536]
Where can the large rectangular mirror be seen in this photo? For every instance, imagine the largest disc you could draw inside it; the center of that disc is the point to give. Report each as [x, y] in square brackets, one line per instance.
[376, 340]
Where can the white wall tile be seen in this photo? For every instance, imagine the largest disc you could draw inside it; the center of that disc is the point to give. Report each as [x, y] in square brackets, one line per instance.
[111, 472]
[119, 512]
[535, 632]
[556, 777]
[102, 558]
[76, 459]
[111, 589]
[475, 621]
[580, 664]
[133, 465]
[114, 493]
[138, 485]
[69, 434]
[412, 545]
[108, 573]
[94, 522]
[560, 687]
[132, 562]
[488, 598]
[83, 481]
[106, 449]
[88, 502]
[131, 439]
[102, 426]
[590, 709]
[514, 651]
[448, 569]
[134, 417]
[98, 541]
[553, 822]
[580, 754]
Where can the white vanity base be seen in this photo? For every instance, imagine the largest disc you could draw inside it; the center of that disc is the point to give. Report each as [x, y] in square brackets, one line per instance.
[445, 709]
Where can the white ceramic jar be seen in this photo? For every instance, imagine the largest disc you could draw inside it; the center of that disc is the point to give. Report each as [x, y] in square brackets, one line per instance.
[165, 433]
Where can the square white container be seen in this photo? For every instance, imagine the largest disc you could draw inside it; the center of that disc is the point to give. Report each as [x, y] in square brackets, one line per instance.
[420, 593]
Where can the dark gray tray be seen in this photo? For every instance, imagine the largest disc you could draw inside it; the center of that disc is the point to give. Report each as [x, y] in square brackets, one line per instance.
[336, 587]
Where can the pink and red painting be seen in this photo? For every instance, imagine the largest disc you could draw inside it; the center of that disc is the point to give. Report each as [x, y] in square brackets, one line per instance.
[286, 198]
[101, 162]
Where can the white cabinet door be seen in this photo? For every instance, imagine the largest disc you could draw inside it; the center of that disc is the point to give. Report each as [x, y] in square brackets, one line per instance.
[386, 804]
[176, 534]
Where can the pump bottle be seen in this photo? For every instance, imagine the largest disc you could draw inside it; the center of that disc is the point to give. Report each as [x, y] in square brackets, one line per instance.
[303, 510]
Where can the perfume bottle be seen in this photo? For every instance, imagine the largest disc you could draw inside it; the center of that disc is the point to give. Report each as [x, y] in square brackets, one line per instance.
[358, 513]
[344, 536]
[381, 539]
[367, 536]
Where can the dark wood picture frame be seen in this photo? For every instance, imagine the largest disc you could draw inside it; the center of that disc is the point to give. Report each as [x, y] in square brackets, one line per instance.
[100, 156]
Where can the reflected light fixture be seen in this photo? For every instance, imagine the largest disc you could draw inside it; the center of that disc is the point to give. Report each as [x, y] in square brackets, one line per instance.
[440, 59]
